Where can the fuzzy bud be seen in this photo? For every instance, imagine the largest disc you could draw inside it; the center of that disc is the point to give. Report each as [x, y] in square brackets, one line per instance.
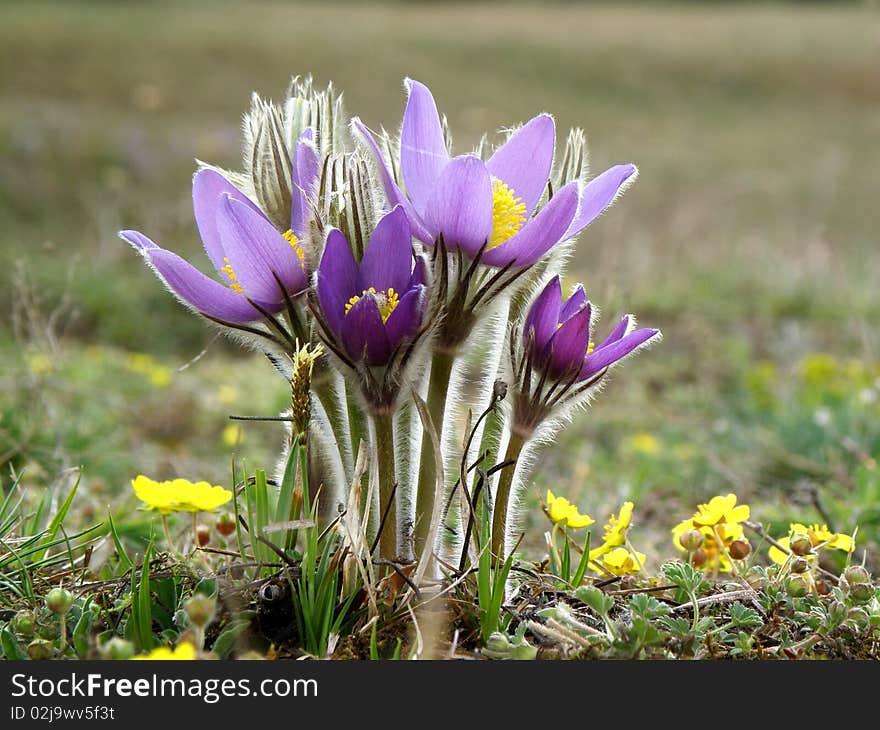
[59, 601]
[801, 544]
[117, 648]
[23, 623]
[691, 540]
[203, 535]
[837, 611]
[861, 592]
[796, 587]
[699, 557]
[822, 588]
[799, 565]
[47, 631]
[857, 574]
[739, 549]
[40, 650]
[200, 609]
[225, 524]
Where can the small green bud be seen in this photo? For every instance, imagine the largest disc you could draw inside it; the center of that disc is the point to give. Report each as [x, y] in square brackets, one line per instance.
[801, 544]
[23, 622]
[799, 565]
[857, 574]
[861, 592]
[837, 611]
[200, 609]
[858, 616]
[739, 549]
[796, 587]
[498, 643]
[40, 650]
[117, 648]
[59, 601]
[691, 540]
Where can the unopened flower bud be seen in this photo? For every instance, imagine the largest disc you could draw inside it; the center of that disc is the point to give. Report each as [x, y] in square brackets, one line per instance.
[225, 524]
[200, 609]
[203, 535]
[699, 557]
[117, 648]
[799, 565]
[59, 601]
[40, 650]
[801, 544]
[858, 616]
[796, 587]
[822, 588]
[498, 643]
[857, 574]
[861, 592]
[739, 549]
[837, 611]
[23, 623]
[691, 540]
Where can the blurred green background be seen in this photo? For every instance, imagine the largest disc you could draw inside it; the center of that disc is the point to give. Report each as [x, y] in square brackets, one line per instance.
[751, 237]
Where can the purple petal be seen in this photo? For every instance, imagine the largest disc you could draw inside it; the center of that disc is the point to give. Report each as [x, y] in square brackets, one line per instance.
[138, 240]
[209, 186]
[617, 333]
[363, 332]
[199, 291]
[460, 207]
[525, 160]
[406, 318]
[306, 169]
[423, 153]
[388, 258]
[544, 315]
[568, 346]
[256, 251]
[574, 303]
[605, 356]
[337, 279]
[419, 275]
[540, 234]
[392, 192]
[599, 193]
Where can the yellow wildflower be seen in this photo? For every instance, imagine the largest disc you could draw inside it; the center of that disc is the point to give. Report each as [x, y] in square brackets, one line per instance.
[233, 434]
[620, 561]
[563, 512]
[183, 652]
[721, 510]
[615, 531]
[643, 443]
[179, 495]
[719, 519]
[820, 536]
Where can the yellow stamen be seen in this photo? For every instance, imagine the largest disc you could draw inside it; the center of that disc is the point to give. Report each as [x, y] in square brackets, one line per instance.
[294, 242]
[591, 347]
[233, 283]
[387, 301]
[508, 213]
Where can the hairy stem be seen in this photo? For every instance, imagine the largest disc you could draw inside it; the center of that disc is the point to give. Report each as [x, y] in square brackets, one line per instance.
[502, 495]
[438, 387]
[383, 429]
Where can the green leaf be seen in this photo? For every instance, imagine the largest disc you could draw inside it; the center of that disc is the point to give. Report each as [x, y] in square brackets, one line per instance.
[595, 599]
[11, 648]
[57, 520]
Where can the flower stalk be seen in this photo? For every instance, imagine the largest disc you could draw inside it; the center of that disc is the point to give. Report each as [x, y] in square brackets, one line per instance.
[383, 443]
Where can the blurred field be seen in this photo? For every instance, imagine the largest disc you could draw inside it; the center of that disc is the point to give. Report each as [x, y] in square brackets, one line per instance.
[750, 239]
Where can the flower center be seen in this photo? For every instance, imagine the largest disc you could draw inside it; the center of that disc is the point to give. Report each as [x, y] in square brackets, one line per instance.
[291, 238]
[233, 281]
[508, 213]
[387, 301]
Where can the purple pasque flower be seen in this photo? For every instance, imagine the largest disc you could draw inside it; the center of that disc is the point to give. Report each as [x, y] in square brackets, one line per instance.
[557, 336]
[260, 268]
[488, 206]
[374, 308]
